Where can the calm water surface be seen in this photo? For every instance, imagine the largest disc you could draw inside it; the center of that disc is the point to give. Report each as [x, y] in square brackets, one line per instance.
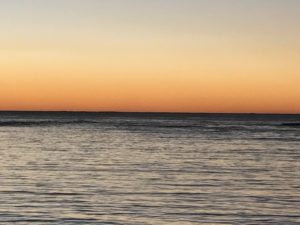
[107, 168]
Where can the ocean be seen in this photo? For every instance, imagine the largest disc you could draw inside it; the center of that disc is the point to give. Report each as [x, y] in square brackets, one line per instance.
[149, 168]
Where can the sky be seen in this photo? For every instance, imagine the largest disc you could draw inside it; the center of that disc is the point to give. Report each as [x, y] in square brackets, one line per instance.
[150, 55]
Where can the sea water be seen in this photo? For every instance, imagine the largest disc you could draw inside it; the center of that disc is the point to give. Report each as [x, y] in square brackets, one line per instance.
[149, 168]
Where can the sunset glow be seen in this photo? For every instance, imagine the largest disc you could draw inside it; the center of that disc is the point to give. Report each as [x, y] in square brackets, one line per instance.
[161, 55]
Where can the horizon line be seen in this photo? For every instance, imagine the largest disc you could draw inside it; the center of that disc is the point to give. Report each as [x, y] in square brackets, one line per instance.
[148, 112]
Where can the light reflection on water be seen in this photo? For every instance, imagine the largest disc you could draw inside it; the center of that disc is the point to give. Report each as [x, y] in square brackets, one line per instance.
[148, 169]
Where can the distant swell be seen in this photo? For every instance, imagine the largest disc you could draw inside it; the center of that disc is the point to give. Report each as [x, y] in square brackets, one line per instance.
[22, 123]
[291, 124]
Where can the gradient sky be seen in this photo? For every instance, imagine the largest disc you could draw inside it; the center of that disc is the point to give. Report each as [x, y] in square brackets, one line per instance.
[150, 55]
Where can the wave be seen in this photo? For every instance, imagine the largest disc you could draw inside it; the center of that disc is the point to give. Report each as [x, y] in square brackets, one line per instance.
[291, 124]
[29, 123]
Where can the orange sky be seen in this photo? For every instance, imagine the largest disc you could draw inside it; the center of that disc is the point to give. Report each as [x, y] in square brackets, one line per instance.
[179, 56]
